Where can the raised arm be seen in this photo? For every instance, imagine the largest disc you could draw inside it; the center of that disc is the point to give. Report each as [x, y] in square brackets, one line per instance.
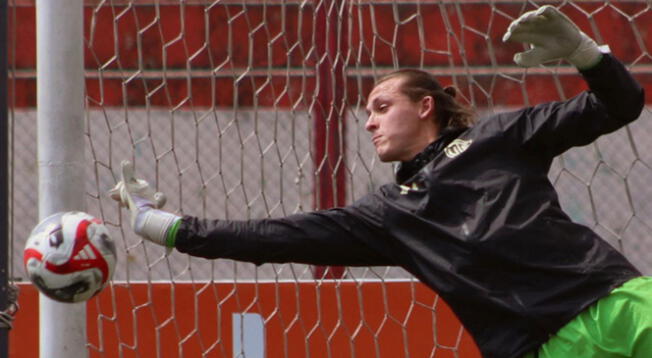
[614, 97]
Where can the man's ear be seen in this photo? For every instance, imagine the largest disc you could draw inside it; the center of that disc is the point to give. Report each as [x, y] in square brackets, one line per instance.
[427, 108]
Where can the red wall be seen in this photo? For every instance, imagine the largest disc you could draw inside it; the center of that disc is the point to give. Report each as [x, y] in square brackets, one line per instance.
[371, 320]
[180, 46]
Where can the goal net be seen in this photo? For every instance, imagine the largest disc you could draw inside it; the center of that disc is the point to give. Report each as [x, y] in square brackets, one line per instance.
[242, 109]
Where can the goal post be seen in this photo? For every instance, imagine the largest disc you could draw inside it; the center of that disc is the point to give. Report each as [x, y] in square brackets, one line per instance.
[61, 148]
[246, 109]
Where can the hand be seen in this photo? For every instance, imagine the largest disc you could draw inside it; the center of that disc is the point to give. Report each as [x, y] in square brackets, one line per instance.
[143, 203]
[552, 36]
[137, 187]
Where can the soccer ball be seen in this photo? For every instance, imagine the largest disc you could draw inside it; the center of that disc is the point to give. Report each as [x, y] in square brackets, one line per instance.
[69, 256]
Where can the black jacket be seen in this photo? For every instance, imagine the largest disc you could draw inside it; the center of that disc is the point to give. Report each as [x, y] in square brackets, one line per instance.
[474, 217]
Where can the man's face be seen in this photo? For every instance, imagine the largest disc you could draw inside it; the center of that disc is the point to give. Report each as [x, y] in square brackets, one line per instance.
[395, 122]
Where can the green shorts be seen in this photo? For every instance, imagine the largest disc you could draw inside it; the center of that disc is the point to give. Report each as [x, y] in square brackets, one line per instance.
[618, 325]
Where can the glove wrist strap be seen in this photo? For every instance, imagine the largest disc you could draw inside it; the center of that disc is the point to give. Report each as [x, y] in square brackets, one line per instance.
[587, 54]
[154, 225]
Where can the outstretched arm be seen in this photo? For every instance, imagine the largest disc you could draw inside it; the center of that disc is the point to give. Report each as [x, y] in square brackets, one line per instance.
[352, 236]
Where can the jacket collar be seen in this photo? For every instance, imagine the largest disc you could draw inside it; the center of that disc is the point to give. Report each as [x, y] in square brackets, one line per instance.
[406, 170]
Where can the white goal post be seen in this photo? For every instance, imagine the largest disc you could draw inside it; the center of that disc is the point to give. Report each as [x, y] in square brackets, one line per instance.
[61, 160]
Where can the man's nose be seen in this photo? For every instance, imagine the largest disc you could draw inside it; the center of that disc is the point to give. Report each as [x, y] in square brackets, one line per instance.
[371, 124]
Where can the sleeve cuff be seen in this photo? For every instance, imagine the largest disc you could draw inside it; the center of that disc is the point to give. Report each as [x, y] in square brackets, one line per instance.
[604, 49]
[171, 236]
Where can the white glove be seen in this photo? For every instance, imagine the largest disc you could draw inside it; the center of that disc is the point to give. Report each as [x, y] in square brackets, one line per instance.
[143, 203]
[552, 36]
[138, 187]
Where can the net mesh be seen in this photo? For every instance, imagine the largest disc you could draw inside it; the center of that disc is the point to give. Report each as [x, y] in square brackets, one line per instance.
[253, 109]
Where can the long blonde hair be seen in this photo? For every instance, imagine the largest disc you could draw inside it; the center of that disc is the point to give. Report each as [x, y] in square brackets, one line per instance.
[449, 113]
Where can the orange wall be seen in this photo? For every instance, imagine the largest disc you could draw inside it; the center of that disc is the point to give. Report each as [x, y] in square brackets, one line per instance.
[340, 319]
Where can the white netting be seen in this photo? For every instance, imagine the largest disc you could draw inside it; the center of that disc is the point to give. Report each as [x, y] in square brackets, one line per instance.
[219, 104]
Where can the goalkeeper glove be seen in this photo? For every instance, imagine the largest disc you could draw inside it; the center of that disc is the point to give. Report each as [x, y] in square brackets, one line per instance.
[143, 203]
[552, 36]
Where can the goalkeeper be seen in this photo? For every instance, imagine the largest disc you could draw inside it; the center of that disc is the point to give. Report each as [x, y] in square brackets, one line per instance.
[472, 214]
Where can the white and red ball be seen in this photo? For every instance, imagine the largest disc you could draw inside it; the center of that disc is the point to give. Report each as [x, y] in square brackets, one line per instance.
[69, 256]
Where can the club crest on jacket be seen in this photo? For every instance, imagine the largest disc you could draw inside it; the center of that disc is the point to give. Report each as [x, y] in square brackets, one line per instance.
[457, 147]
